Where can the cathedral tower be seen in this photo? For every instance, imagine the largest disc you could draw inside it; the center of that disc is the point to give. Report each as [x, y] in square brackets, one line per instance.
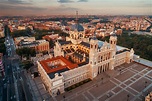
[93, 57]
[93, 50]
[113, 41]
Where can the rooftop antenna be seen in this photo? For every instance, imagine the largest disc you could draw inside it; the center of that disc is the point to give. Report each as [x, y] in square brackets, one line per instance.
[77, 17]
[94, 36]
[77, 20]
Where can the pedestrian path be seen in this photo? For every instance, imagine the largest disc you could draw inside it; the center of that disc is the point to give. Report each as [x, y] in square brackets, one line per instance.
[129, 84]
[144, 61]
[37, 89]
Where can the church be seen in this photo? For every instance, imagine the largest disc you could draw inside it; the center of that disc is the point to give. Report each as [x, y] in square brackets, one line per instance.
[79, 58]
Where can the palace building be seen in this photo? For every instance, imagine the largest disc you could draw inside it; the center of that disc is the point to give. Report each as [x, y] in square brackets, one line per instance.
[79, 58]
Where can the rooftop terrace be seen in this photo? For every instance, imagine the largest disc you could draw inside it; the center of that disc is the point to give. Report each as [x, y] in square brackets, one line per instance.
[57, 65]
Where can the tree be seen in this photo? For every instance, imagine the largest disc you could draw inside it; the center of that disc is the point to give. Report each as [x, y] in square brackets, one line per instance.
[27, 64]
[45, 52]
[28, 30]
[61, 33]
[19, 52]
[19, 33]
[142, 44]
[149, 48]
[51, 43]
[33, 52]
[26, 52]
[2, 46]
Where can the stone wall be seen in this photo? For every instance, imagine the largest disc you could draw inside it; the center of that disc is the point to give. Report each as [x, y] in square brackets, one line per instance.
[76, 75]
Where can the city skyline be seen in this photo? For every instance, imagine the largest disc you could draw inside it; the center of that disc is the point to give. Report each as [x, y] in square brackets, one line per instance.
[60, 7]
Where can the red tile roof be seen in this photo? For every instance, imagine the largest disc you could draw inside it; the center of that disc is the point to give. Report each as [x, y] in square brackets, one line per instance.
[48, 69]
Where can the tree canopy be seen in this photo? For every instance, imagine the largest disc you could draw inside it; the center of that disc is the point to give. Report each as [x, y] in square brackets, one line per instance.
[27, 64]
[142, 44]
[2, 46]
[26, 52]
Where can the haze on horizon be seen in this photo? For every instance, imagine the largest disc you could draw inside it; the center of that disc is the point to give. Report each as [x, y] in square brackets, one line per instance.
[60, 7]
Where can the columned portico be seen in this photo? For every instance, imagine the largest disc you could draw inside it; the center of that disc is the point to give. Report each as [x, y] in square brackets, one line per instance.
[103, 68]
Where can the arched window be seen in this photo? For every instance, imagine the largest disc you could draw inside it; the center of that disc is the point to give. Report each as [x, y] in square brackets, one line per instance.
[72, 36]
[98, 59]
[101, 58]
[81, 35]
[91, 46]
[95, 46]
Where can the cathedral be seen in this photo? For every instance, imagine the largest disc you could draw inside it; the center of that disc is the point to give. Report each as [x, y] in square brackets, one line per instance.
[79, 58]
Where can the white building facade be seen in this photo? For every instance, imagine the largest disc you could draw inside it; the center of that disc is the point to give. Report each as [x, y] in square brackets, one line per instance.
[92, 57]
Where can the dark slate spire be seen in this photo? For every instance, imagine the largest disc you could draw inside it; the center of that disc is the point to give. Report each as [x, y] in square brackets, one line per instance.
[77, 26]
[94, 34]
[76, 17]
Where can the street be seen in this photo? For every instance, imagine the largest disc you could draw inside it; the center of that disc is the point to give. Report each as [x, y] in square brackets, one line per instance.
[13, 86]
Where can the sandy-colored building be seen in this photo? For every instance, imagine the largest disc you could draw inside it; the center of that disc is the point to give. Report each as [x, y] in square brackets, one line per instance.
[1, 65]
[79, 58]
[51, 37]
[148, 97]
[21, 27]
[2, 33]
[25, 38]
[38, 45]
[43, 45]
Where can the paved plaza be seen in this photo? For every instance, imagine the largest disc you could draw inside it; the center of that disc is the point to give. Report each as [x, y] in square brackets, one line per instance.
[37, 89]
[128, 82]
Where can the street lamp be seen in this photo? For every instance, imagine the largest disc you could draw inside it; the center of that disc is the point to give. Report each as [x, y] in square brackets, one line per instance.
[128, 97]
[96, 85]
[102, 79]
[120, 71]
[108, 95]
[64, 97]
[145, 84]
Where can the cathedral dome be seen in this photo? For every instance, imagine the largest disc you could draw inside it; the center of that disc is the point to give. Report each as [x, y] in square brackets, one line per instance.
[113, 33]
[77, 27]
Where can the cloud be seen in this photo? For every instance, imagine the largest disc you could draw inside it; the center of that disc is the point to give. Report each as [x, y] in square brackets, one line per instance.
[15, 2]
[8, 9]
[64, 1]
[83, 1]
[64, 8]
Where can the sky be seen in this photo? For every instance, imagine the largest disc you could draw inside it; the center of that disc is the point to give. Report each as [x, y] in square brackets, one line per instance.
[61, 7]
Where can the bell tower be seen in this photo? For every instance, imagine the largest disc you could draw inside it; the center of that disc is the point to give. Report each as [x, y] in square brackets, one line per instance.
[93, 57]
[76, 17]
[93, 50]
[113, 41]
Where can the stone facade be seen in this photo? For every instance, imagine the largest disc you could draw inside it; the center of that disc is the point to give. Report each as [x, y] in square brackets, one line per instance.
[148, 97]
[92, 57]
[2, 73]
[2, 33]
[30, 42]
